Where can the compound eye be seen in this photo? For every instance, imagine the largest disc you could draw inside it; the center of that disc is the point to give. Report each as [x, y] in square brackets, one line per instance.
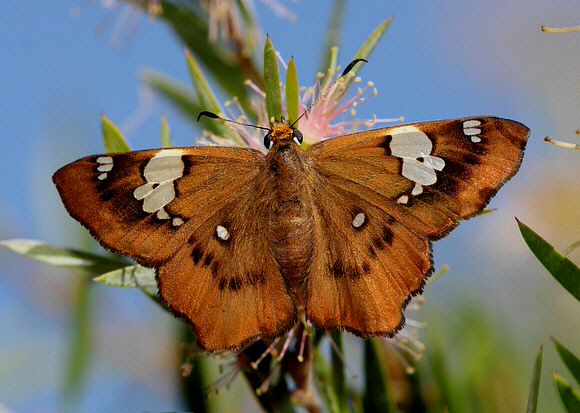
[297, 135]
[268, 140]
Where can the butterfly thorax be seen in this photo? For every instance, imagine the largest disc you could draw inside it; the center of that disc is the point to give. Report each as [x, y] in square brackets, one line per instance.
[291, 227]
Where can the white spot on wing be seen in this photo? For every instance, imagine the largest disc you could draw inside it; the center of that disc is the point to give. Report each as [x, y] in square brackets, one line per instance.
[471, 123]
[105, 159]
[403, 199]
[176, 221]
[475, 139]
[161, 172]
[222, 233]
[105, 167]
[472, 131]
[417, 190]
[102, 176]
[358, 220]
[162, 214]
[414, 147]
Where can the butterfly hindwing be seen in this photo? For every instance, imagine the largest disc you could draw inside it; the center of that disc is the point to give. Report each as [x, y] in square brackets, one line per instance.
[184, 211]
[387, 192]
[364, 266]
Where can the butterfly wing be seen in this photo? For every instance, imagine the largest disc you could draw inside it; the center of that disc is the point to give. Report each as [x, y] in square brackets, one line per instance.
[381, 196]
[184, 211]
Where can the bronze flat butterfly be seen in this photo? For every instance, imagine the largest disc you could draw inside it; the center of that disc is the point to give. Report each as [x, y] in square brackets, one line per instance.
[245, 243]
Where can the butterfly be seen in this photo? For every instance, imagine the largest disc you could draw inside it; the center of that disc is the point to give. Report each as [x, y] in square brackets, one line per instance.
[245, 244]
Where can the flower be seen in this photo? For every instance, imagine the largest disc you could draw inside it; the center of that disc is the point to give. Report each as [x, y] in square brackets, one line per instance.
[329, 106]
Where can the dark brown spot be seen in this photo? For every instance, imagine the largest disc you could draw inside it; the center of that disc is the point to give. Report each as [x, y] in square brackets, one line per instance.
[215, 266]
[208, 259]
[366, 267]
[387, 235]
[235, 283]
[478, 147]
[471, 159]
[378, 243]
[372, 252]
[420, 159]
[386, 144]
[337, 269]
[390, 219]
[196, 254]
[223, 283]
[191, 239]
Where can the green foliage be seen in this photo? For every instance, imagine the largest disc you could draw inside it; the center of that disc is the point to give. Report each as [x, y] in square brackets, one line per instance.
[560, 267]
[535, 386]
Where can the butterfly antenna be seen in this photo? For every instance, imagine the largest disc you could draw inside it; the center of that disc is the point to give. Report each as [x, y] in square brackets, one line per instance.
[212, 115]
[345, 72]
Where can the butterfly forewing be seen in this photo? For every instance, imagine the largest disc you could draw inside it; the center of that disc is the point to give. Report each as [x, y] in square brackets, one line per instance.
[387, 192]
[185, 211]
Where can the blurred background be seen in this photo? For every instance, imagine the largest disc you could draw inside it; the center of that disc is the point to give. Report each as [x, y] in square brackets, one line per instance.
[66, 63]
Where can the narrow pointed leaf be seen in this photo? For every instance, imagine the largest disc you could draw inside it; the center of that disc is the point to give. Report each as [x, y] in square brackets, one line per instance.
[365, 50]
[129, 276]
[272, 81]
[78, 353]
[205, 96]
[186, 102]
[569, 395]
[64, 257]
[322, 377]
[330, 71]
[166, 139]
[292, 91]
[561, 268]
[332, 37]
[377, 397]
[114, 140]
[569, 359]
[535, 386]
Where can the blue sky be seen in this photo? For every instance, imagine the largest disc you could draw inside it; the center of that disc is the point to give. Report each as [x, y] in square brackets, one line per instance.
[437, 60]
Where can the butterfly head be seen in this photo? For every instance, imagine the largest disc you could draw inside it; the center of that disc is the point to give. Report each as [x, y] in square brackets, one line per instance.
[282, 133]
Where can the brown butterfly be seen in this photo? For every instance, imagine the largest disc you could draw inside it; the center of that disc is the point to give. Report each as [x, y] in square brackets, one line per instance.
[244, 243]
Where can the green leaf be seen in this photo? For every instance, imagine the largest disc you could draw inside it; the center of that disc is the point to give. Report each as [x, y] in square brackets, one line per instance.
[166, 140]
[329, 78]
[114, 140]
[229, 70]
[332, 37]
[561, 268]
[535, 386]
[377, 397]
[569, 359]
[78, 353]
[272, 82]
[129, 276]
[367, 47]
[184, 100]
[68, 258]
[292, 91]
[132, 276]
[337, 365]
[205, 96]
[323, 382]
[569, 395]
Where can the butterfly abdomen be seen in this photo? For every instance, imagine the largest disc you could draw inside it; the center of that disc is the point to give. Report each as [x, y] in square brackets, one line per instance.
[292, 225]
